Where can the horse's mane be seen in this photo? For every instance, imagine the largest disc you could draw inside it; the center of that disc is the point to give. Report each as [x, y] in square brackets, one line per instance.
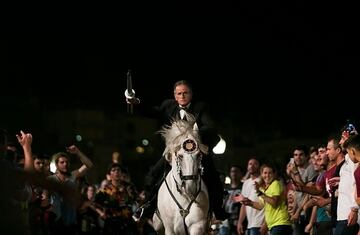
[177, 132]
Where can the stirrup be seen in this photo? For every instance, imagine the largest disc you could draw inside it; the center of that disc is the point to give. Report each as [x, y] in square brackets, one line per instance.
[138, 214]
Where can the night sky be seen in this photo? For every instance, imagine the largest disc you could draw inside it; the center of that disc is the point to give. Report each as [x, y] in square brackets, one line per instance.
[286, 66]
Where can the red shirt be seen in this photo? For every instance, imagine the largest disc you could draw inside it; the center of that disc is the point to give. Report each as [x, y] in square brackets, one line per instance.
[357, 181]
[327, 175]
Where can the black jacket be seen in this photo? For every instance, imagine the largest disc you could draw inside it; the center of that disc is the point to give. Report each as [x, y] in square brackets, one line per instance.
[169, 110]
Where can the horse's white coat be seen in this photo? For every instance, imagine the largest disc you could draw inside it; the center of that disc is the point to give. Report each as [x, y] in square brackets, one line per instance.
[188, 162]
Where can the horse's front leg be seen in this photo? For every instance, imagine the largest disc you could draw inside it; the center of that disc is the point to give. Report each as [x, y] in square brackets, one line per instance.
[198, 229]
[168, 232]
[157, 224]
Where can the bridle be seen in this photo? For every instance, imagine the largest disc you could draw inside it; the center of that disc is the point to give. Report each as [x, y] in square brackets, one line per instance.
[190, 147]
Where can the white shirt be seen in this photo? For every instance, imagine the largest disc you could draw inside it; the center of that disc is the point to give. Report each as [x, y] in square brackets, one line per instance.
[255, 217]
[182, 110]
[182, 113]
[346, 189]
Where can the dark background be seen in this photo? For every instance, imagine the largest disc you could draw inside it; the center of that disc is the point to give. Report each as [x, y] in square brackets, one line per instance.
[271, 70]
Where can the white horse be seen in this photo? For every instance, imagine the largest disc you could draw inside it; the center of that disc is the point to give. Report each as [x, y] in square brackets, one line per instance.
[183, 202]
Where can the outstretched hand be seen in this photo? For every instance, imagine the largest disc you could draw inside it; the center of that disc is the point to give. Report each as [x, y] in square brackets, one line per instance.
[238, 198]
[133, 100]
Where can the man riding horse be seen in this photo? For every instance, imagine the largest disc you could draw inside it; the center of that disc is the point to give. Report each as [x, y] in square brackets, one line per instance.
[172, 109]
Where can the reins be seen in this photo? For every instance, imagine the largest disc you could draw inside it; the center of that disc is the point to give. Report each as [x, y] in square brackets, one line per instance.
[183, 212]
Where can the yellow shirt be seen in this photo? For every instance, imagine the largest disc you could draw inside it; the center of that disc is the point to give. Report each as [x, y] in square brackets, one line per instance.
[275, 216]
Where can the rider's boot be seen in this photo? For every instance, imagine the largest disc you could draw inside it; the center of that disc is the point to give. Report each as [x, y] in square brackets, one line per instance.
[152, 184]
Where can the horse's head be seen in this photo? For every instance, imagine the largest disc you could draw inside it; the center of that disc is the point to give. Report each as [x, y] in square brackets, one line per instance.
[183, 183]
[184, 151]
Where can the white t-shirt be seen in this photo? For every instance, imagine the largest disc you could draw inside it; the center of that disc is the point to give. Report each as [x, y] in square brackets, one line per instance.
[255, 217]
[346, 189]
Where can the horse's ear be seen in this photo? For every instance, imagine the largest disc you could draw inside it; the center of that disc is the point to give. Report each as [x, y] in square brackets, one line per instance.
[195, 127]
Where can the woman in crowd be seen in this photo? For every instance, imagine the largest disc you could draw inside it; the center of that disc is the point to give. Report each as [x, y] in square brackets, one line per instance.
[273, 199]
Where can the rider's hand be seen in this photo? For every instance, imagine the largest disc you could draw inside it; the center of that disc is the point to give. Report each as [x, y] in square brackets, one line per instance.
[133, 100]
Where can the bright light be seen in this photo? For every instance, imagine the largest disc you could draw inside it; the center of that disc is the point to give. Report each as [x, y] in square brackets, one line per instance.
[78, 138]
[227, 180]
[220, 147]
[140, 149]
[52, 167]
[145, 142]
